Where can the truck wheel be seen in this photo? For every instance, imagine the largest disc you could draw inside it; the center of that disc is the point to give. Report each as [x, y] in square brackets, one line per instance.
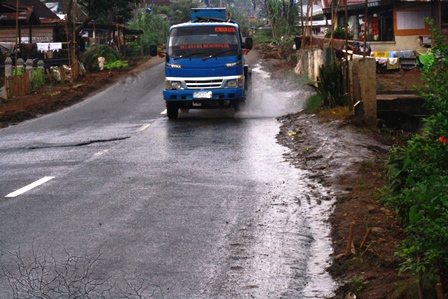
[172, 110]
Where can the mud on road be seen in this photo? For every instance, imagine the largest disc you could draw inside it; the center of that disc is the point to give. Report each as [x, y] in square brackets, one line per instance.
[349, 158]
[350, 162]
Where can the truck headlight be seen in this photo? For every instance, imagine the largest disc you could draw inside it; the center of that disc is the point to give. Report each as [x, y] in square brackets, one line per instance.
[232, 64]
[232, 83]
[173, 85]
[174, 66]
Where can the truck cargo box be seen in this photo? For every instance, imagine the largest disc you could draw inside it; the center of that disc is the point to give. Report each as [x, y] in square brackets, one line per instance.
[216, 13]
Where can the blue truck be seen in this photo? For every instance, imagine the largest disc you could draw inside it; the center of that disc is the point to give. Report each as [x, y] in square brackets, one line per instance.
[205, 66]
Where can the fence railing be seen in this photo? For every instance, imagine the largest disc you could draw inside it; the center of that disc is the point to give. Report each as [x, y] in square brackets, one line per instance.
[17, 85]
[23, 78]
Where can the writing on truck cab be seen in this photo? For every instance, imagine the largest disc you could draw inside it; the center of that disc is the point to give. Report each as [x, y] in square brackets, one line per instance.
[205, 66]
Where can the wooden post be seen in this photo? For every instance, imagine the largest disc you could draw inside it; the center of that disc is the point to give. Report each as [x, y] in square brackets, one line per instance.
[29, 68]
[364, 240]
[367, 84]
[350, 239]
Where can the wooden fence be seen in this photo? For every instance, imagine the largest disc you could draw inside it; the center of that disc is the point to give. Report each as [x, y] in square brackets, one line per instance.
[19, 85]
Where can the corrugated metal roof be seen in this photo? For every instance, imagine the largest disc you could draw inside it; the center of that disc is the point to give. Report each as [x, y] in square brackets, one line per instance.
[26, 15]
[40, 9]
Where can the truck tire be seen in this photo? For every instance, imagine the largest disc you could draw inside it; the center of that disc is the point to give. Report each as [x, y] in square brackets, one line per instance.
[172, 110]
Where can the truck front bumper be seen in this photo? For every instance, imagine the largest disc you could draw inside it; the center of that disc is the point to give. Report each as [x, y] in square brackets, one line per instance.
[204, 96]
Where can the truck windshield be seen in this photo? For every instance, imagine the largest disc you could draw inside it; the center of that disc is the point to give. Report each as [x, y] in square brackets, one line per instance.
[203, 41]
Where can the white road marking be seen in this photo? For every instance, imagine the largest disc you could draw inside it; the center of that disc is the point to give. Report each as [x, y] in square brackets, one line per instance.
[30, 186]
[144, 127]
[163, 112]
[101, 153]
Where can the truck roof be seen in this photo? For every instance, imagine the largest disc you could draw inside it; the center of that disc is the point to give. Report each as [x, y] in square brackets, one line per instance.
[191, 24]
[209, 12]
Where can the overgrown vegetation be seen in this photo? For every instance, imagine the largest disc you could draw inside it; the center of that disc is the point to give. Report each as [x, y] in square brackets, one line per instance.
[339, 32]
[90, 60]
[282, 17]
[418, 177]
[330, 85]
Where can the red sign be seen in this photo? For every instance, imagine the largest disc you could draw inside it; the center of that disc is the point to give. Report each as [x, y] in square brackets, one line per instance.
[225, 29]
[205, 46]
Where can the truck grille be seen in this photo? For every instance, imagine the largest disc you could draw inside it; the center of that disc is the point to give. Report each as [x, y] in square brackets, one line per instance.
[206, 83]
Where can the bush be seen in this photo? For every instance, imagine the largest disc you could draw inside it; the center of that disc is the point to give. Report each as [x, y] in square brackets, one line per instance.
[91, 57]
[418, 174]
[330, 85]
[313, 103]
[339, 32]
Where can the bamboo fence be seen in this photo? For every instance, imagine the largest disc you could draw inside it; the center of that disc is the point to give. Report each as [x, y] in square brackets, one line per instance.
[19, 85]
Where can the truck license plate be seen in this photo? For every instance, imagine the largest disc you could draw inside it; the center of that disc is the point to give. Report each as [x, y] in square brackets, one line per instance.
[202, 95]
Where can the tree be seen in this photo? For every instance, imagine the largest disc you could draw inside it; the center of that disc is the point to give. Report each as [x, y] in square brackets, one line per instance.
[117, 11]
[282, 16]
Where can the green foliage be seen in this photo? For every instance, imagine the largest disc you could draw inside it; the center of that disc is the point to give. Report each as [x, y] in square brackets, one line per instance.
[313, 103]
[155, 27]
[16, 72]
[91, 57]
[117, 64]
[180, 11]
[339, 32]
[330, 85]
[285, 46]
[241, 19]
[38, 78]
[282, 20]
[117, 11]
[263, 36]
[418, 175]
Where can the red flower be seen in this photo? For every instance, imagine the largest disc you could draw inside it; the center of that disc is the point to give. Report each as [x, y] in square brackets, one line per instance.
[443, 139]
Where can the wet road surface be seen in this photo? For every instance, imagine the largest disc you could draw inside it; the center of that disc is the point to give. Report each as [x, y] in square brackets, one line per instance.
[201, 207]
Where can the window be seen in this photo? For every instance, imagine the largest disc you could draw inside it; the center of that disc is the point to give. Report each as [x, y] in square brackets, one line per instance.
[411, 22]
[201, 41]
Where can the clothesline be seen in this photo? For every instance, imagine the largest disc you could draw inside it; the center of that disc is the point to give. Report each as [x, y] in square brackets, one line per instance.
[44, 47]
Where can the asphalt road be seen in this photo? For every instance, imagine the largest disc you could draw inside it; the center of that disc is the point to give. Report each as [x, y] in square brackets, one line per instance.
[115, 194]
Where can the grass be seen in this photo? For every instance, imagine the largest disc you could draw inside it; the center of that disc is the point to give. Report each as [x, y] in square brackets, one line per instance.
[313, 104]
[335, 113]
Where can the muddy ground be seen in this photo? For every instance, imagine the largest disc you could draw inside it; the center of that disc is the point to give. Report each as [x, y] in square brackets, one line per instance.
[341, 153]
[350, 157]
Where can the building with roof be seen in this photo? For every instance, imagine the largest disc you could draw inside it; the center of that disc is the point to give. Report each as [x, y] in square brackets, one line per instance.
[390, 24]
[35, 22]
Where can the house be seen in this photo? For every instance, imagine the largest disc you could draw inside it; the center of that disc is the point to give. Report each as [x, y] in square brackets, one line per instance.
[391, 25]
[36, 23]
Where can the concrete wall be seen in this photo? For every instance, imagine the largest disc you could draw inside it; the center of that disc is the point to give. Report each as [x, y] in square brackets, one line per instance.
[362, 76]
[309, 62]
[401, 43]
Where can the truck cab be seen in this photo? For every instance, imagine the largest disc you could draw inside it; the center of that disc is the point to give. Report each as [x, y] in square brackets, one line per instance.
[204, 63]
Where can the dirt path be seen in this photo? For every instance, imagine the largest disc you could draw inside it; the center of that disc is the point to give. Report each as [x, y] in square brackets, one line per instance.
[349, 161]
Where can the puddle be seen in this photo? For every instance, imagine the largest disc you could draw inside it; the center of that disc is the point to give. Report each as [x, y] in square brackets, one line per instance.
[285, 249]
[269, 98]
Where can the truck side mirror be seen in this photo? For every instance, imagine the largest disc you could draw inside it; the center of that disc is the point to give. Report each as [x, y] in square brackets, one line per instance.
[153, 50]
[248, 43]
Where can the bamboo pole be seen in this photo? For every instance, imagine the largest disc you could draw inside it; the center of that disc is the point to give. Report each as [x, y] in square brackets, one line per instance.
[364, 240]
[365, 30]
[17, 33]
[350, 239]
